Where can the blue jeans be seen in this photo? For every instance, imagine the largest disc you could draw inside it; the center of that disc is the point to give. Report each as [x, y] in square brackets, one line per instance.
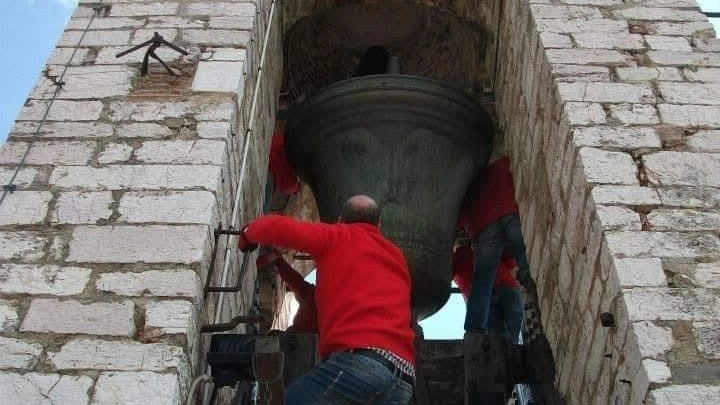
[507, 311]
[349, 379]
[488, 247]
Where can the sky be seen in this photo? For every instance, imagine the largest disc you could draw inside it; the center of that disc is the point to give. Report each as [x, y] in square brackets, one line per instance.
[28, 32]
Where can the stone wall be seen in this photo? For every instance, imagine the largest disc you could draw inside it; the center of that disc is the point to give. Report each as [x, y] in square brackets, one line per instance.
[611, 113]
[105, 244]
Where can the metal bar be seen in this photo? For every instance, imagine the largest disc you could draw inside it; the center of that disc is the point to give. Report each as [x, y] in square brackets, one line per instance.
[238, 283]
[230, 325]
[712, 14]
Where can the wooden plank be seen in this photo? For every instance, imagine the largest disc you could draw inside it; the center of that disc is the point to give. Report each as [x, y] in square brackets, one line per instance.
[301, 354]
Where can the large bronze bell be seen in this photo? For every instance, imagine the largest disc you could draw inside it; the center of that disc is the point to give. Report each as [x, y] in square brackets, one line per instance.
[411, 143]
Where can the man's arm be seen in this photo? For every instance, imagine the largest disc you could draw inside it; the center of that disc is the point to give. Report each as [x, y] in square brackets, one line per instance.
[291, 277]
[279, 230]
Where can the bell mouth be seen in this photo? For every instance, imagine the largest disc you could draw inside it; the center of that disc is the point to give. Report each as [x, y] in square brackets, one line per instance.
[414, 145]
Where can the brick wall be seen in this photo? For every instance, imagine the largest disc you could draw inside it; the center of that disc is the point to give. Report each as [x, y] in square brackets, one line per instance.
[105, 245]
[610, 113]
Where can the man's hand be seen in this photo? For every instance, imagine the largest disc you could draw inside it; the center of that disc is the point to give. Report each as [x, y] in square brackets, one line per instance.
[268, 259]
[244, 244]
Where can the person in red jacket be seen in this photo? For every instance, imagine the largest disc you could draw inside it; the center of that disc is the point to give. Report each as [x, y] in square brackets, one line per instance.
[281, 176]
[305, 320]
[363, 306]
[490, 215]
[506, 311]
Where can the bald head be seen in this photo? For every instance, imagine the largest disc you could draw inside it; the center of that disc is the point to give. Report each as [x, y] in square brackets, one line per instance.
[360, 208]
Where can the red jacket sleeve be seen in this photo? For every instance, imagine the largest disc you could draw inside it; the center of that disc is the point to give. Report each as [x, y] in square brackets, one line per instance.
[293, 279]
[279, 230]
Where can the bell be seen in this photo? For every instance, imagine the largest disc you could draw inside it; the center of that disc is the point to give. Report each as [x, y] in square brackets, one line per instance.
[412, 144]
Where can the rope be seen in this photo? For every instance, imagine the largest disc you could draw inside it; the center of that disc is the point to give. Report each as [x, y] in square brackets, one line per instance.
[204, 378]
[9, 188]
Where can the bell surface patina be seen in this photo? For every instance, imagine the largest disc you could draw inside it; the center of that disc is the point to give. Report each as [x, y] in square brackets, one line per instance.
[411, 143]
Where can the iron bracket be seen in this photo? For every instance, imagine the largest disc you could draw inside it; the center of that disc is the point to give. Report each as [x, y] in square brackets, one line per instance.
[154, 43]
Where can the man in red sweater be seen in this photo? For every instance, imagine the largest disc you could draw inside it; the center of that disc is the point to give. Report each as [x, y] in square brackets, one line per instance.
[305, 320]
[506, 311]
[363, 306]
[491, 217]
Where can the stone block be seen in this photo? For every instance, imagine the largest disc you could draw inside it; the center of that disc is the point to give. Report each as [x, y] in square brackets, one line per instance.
[605, 167]
[157, 283]
[707, 75]
[214, 9]
[114, 153]
[224, 55]
[666, 43]
[72, 39]
[137, 388]
[606, 92]
[631, 138]
[217, 37]
[9, 318]
[707, 44]
[576, 73]
[82, 207]
[246, 23]
[48, 153]
[670, 58]
[683, 220]
[662, 244]
[61, 56]
[24, 177]
[99, 318]
[83, 82]
[635, 114]
[691, 197]
[132, 244]
[681, 393]
[148, 110]
[690, 93]
[117, 355]
[542, 11]
[650, 372]
[682, 168]
[221, 77]
[23, 246]
[15, 353]
[669, 304]
[187, 207]
[61, 110]
[600, 25]
[25, 207]
[143, 131]
[169, 318]
[584, 113]
[174, 22]
[611, 40]
[105, 23]
[203, 151]
[653, 340]
[707, 275]
[45, 279]
[640, 272]
[605, 57]
[618, 218]
[35, 388]
[688, 29]
[212, 130]
[690, 115]
[64, 129]
[662, 14]
[592, 2]
[707, 337]
[642, 74]
[223, 110]
[152, 8]
[134, 177]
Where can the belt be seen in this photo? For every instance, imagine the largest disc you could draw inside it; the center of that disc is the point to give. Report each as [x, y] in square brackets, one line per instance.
[372, 354]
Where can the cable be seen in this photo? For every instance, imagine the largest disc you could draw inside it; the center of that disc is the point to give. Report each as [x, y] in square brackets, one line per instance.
[9, 188]
[204, 378]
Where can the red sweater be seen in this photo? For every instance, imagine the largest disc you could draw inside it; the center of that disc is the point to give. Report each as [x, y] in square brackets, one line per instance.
[492, 198]
[463, 271]
[363, 283]
[284, 177]
[305, 320]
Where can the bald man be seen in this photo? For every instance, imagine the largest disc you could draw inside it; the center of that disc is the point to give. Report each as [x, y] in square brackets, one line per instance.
[363, 306]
